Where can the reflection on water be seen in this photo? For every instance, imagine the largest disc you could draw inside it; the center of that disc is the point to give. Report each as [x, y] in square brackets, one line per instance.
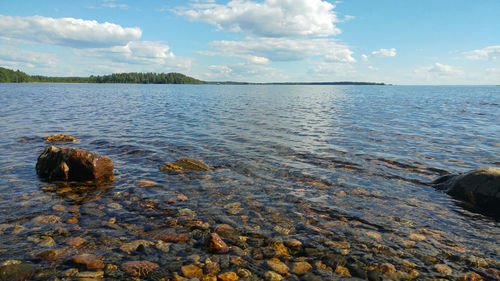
[309, 182]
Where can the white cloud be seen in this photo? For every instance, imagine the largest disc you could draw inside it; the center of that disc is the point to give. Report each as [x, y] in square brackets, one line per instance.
[13, 56]
[364, 57]
[242, 72]
[440, 69]
[264, 50]
[147, 53]
[69, 32]
[488, 53]
[384, 53]
[271, 18]
[114, 4]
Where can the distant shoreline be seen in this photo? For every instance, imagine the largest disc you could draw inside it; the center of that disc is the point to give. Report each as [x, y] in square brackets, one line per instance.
[11, 76]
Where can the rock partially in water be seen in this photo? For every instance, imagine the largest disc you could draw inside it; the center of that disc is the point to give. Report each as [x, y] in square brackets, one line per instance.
[71, 164]
[60, 138]
[480, 189]
[185, 165]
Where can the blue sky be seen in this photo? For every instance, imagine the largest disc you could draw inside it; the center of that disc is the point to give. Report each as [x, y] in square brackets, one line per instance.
[391, 41]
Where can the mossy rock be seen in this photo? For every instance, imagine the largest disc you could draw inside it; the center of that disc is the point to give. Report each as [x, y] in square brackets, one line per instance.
[60, 138]
[185, 165]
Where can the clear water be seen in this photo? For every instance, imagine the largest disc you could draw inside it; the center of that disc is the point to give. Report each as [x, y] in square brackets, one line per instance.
[314, 163]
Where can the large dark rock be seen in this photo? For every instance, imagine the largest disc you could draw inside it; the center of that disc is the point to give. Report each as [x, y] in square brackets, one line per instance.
[480, 189]
[70, 164]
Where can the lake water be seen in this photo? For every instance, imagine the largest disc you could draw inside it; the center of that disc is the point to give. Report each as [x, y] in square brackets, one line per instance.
[341, 170]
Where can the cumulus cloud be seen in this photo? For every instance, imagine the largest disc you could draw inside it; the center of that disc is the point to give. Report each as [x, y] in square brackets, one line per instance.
[440, 69]
[242, 72]
[271, 18]
[69, 32]
[384, 53]
[11, 55]
[264, 50]
[364, 57]
[139, 52]
[488, 53]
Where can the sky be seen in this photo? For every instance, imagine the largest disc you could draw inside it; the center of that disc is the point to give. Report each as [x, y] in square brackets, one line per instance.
[424, 42]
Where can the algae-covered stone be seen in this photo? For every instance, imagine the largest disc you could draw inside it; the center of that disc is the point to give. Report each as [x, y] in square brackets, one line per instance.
[60, 138]
[186, 165]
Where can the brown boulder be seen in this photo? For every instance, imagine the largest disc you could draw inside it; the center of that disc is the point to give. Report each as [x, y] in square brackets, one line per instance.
[71, 164]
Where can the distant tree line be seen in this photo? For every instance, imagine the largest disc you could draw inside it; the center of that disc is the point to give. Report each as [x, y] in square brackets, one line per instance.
[11, 76]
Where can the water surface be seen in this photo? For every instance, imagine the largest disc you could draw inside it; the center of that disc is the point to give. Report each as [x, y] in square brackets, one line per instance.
[342, 169]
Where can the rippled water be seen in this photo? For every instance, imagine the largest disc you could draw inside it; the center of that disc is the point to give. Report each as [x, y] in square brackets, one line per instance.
[342, 169]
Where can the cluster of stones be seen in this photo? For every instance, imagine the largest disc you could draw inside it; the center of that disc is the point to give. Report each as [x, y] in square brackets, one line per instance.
[227, 259]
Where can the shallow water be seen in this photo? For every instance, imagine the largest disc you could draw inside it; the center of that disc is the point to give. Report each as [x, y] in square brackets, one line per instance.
[342, 169]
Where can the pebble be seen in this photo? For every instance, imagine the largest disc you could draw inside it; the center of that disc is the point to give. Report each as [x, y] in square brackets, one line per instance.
[209, 277]
[477, 261]
[280, 250]
[75, 241]
[225, 230]
[338, 245]
[470, 276]
[139, 269]
[191, 271]
[387, 268]
[443, 269]
[211, 267]
[114, 206]
[51, 219]
[278, 266]
[89, 261]
[228, 276]
[47, 242]
[132, 246]
[343, 271]
[272, 276]
[90, 274]
[301, 267]
[242, 272]
[72, 220]
[216, 244]
[374, 235]
[70, 272]
[58, 208]
[417, 237]
[146, 183]
[163, 246]
[292, 243]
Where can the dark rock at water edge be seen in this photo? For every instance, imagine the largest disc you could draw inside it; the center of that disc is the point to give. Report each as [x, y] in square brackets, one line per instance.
[71, 164]
[479, 188]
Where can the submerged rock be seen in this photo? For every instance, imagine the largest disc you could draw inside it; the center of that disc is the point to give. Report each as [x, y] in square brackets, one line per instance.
[17, 272]
[185, 165]
[480, 189]
[71, 164]
[60, 138]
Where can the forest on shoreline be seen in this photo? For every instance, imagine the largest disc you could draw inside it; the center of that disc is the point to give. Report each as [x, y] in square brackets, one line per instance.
[11, 76]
